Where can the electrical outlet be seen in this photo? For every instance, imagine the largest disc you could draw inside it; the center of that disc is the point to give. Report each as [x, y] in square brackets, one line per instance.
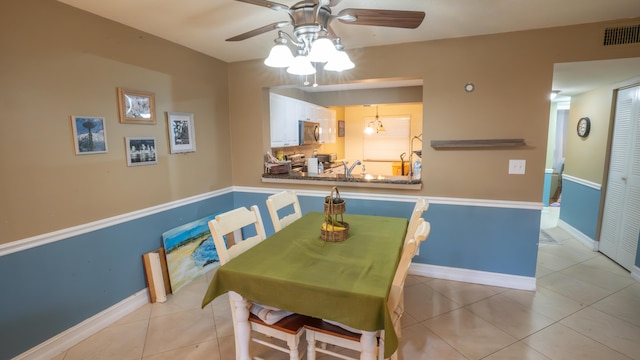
[517, 166]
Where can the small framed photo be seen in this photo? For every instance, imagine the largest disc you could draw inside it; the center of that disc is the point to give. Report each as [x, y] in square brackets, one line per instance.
[182, 136]
[141, 151]
[340, 128]
[136, 107]
[89, 134]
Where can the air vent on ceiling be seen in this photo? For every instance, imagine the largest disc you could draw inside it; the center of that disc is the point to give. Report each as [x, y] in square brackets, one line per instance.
[622, 35]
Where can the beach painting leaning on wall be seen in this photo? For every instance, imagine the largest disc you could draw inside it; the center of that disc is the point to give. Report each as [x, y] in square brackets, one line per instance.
[190, 252]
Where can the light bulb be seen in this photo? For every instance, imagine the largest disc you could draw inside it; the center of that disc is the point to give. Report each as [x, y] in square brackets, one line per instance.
[279, 57]
[301, 66]
[339, 62]
[322, 50]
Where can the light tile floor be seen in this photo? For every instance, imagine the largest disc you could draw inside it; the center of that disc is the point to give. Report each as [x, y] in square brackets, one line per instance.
[585, 307]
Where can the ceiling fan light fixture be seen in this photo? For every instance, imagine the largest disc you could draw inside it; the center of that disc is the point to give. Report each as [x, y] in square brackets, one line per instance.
[340, 62]
[279, 57]
[313, 36]
[301, 66]
[322, 50]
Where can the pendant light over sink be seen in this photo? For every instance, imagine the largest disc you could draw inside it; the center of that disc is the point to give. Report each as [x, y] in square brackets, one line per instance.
[374, 126]
[315, 43]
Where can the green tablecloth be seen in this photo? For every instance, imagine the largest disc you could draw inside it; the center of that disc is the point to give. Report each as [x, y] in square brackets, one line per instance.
[346, 281]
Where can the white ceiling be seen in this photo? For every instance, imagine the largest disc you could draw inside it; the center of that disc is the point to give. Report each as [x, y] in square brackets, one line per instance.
[203, 25]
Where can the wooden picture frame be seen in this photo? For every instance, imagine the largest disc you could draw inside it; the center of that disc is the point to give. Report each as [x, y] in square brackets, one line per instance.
[136, 107]
[89, 134]
[340, 128]
[141, 151]
[182, 136]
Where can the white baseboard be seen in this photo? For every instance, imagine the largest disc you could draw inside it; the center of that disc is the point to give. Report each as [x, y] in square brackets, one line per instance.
[70, 337]
[584, 239]
[635, 273]
[474, 276]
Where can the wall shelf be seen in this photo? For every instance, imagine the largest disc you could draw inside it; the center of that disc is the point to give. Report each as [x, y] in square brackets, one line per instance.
[480, 143]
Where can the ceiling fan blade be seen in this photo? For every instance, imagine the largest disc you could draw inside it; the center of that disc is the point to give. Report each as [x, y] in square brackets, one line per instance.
[375, 17]
[258, 31]
[269, 4]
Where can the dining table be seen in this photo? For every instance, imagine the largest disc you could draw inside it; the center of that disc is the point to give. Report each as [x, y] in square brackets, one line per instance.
[296, 270]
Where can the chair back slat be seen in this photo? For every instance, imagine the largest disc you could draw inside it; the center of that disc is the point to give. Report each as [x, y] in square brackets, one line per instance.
[279, 201]
[230, 222]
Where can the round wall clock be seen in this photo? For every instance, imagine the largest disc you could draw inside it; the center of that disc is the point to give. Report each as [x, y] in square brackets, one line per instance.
[584, 126]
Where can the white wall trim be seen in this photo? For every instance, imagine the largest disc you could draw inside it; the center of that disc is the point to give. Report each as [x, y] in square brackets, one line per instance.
[579, 235]
[47, 238]
[406, 198]
[72, 336]
[474, 276]
[43, 239]
[584, 182]
[635, 273]
[548, 171]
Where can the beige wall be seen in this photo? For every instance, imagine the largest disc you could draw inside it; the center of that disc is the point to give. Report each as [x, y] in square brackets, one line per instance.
[58, 61]
[512, 72]
[553, 118]
[407, 94]
[585, 157]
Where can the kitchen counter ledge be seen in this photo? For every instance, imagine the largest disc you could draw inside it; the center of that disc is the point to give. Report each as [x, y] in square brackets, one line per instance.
[368, 181]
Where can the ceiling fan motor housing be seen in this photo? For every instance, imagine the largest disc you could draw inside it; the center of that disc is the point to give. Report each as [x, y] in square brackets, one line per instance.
[309, 22]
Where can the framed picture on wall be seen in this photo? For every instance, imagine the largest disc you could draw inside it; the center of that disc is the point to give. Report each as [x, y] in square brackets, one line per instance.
[182, 136]
[136, 107]
[340, 128]
[141, 151]
[89, 135]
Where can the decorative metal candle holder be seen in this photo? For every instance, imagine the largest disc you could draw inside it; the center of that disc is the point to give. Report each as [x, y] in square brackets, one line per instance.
[334, 228]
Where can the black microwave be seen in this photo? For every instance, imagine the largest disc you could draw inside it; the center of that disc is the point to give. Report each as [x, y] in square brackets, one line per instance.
[309, 132]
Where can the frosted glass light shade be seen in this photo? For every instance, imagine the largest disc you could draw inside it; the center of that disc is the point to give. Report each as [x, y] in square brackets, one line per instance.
[339, 62]
[279, 57]
[322, 50]
[301, 66]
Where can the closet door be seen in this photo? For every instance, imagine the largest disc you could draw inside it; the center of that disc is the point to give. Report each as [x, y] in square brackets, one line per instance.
[621, 217]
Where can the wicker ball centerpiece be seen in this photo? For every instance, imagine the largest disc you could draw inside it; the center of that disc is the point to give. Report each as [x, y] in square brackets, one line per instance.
[334, 228]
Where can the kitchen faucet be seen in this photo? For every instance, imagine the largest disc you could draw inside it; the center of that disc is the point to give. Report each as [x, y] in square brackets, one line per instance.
[347, 171]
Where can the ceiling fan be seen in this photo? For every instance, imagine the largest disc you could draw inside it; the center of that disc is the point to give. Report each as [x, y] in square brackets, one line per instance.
[314, 39]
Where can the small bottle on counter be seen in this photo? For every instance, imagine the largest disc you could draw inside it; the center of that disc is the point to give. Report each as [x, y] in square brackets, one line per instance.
[320, 168]
[417, 168]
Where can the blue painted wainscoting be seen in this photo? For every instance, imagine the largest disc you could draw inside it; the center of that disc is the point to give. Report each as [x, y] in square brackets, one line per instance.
[61, 287]
[60, 280]
[481, 235]
[580, 206]
[546, 190]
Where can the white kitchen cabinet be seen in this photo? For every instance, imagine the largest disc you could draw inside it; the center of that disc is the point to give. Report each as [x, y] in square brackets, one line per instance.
[327, 119]
[284, 116]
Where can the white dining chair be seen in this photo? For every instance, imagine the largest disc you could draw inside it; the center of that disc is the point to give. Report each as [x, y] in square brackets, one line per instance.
[280, 201]
[422, 204]
[287, 328]
[322, 332]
